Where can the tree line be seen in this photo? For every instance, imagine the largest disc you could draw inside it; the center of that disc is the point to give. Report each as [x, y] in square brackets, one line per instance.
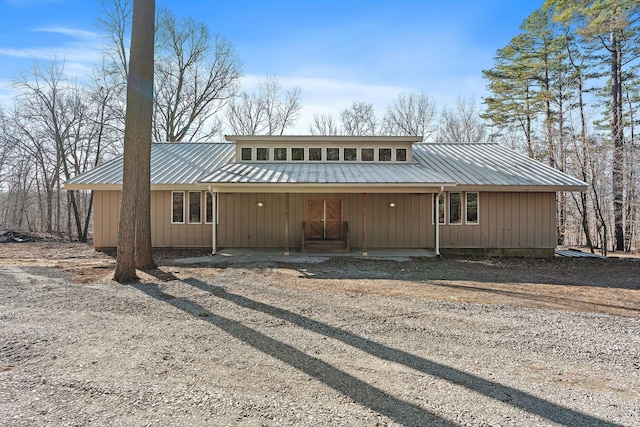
[565, 90]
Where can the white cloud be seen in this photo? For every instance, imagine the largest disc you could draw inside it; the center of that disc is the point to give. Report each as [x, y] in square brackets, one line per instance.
[79, 51]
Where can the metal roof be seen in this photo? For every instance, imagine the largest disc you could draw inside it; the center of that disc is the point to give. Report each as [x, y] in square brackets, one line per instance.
[171, 163]
[488, 166]
[325, 173]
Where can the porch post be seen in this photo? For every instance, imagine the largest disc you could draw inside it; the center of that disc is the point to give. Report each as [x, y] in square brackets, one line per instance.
[214, 222]
[286, 225]
[436, 214]
[364, 224]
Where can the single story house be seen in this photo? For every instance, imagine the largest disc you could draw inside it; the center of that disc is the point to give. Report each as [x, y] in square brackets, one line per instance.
[322, 193]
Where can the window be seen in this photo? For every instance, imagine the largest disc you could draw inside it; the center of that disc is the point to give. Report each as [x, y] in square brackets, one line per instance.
[177, 207]
[280, 154]
[472, 208]
[262, 154]
[366, 154]
[297, 154]
[401, 154]
[384, 154]
[208, 208]
[455, 208]
[315, 154]
[439, 210]
[195, 208]
[350, 154]
[333, 154]
[246, 154]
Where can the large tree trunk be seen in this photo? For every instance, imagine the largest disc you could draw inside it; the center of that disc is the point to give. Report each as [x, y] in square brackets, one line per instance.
[137, 129]
[617, 137]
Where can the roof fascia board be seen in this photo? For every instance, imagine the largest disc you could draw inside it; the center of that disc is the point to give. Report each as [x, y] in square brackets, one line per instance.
[316, 138]
[329, 188]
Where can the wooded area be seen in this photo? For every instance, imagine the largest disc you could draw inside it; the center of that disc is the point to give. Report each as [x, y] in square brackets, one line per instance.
[563, 91]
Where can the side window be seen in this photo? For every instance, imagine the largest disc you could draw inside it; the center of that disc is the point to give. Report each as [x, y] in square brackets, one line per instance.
[177, 207]
[315, 154]
[472, 208]
[439, 208]
[246, 154]
[401, 154]
[366, 154]
[280, 154]
[195, 207]
[384, 154]
[455, 208]
[208, 208]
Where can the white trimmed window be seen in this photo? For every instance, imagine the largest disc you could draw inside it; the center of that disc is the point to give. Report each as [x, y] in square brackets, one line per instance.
[455, 208]
[350, 154]
[384, 154]
[297, 154]
[472, 202]
[208, 208]
[195, 207]
[439, 208]
[262, 154]
[315, 154]
[246, 154]
[177, 207]
[280, 154]
[367, 154]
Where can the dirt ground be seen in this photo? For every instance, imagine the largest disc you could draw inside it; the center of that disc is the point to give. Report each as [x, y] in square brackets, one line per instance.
[589, 285]
[309, 341]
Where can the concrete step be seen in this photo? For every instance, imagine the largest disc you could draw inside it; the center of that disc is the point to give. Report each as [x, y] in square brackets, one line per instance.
[325, 246]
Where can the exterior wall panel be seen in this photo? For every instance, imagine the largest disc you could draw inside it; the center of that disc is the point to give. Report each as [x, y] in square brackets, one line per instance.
[507, 220]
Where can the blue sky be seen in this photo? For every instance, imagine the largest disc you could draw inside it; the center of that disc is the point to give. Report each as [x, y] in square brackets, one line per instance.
[336, 51]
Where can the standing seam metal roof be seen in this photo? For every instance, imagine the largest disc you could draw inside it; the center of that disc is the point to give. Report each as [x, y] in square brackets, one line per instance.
[433, 163]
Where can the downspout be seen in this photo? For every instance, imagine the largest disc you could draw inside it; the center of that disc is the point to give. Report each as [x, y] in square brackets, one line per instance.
[436, 217]
[214, 222]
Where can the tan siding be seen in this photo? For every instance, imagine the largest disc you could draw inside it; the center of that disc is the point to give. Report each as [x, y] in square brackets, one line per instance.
[507, 220]
[407, 225]
[106, 213]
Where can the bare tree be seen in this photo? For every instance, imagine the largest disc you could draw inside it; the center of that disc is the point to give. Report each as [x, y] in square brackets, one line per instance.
[324, 124]
[359, 119]
[269, 111]
[114, 22]
[462, 124]
[134, 237]
[411, 114]
[196, 74]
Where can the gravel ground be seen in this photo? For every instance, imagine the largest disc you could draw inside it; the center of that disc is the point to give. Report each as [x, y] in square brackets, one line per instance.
[268, 345]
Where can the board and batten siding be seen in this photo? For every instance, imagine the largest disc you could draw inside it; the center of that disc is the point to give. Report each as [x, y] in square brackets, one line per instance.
[507, 220]
[163, 233]
[242, 223]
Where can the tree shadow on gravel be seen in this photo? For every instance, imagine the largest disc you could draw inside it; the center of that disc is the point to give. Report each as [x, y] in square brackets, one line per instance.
[377, 400]
[552, 299]
[400, 411]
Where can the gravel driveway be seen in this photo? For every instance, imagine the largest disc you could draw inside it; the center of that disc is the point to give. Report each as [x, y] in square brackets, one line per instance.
[236, 347]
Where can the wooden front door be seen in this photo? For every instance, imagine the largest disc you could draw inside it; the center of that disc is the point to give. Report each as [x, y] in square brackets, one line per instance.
[324, 219]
